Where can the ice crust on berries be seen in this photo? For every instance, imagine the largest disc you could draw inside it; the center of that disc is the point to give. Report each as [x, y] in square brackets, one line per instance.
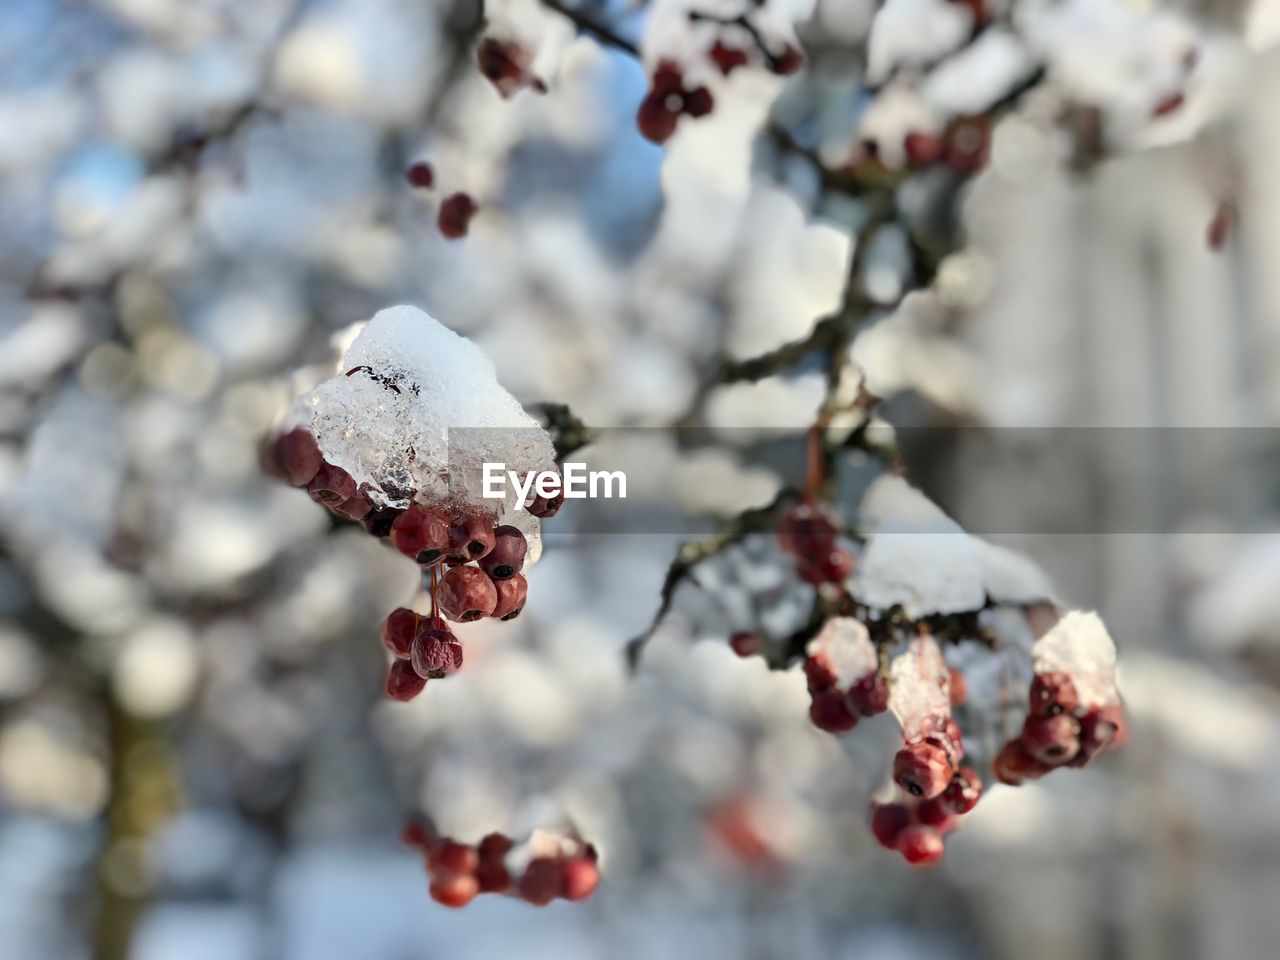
[1080, 647]
[394, 416]
[918, 686]
[846, 645]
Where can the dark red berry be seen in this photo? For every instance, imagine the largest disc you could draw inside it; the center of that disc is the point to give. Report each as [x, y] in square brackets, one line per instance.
[834, 567]
[466, 594]
[698, 102]
[454, 890]
[1100, 728]
[494, 846]
[1052, 740]
[492, 870]
[420, 175]
[870, 695]
[547, 507]
[787, 62]
[581, 877]
[667, 78]
[436, 651]
[1014, 764]
[923, 149]
[920, 846]
[819, 673]
[398, 631]
[933, 813]
[506, 558]
[299, 456]
[962, 792]
[888, 820]
[656, 119]
[830, 710]
[728, 58]
[746, 643]
[503, 64]
[922, 769]
[511, 595]
[421, 534]
[1052, 693]
[403, 682]
[455, 215]
[379, 520]
[807, 531]
[470, 537]
[331, 485]
[450, 856]
[543, 881]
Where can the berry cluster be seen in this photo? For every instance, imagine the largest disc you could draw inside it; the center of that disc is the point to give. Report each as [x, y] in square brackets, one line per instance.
[1059, 731]
[508, 66]
[809, 532]
[456, 210]
[472, 564]
[836, 709]
[458, 871]
[667, 100]
[915, 827]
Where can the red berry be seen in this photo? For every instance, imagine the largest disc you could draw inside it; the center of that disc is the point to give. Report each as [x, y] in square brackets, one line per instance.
[436, 651]
[1100, 728]
[870, 695]
[299, 456]
[581, 877]
[727, 58]
[923, 769]
[416, 836]
[746, 643]
[450, 856]
[492, 870]
[470, 537]
[787, 62]
[454, 890]
[506, 557]
[421, 534]
[1014, 764]
[511, 595]
[698, 102]
[403, 682]
[398, 631]
[830, 710]
[922, 149]
[962, 792]
[1052, 693]
[547, 507]
[668, 78]
[420, 175]
[888, 820]
[331, 485]
[378, 521]
[543, 881]
[455, 215]
[656, 119]
[1052, 740]
[819, 673]
[920, 846]
[807, 530]
[933, 813]
[494, 846]
[503, 64]
[466, 594]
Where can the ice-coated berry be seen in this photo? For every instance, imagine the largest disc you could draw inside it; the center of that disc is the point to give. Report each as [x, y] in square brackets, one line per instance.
[746, 643]
[403, 682]
[1052, 693]
[511, 595]
[543, 881]
[819, 673]
[1052, 740]
[506, 557]
[888, 820]
[470, 537]
[656, 119]
[299, 456]
[962, 792]
[920, 846]
[870, 695]
[466, 594]
[1014, 764]
[331, 485]
[581, 877]
[454, 890]
[923, 769]
[830, 710]
[436, 651]
[378, 521]
[421, 533]
[807, 531]
[455, 215]
[420, 175]
[398, 631]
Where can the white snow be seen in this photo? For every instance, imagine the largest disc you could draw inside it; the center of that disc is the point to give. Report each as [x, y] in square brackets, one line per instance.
[846, 645]
[914, 32]
[919, 685]
[1080, 647]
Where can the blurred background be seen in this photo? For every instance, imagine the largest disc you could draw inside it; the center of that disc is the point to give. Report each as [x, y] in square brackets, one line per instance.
[196, 758]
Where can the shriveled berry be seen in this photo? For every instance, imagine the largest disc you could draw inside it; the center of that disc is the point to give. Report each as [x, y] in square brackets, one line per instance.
[830, 710]
[331, 485]
[698, 102]
[470, 536]
[581, 877]
[921, 846]
[420, 175]
[922, 769]
[454, 890]
[450, 856]
[421, 534]
[378, 521]
[746, 643]
[888, 820]
[1052, 693]
[1014, 764]
[398, 631]
[436, 651]
[543, 881]
[1052, 740]
[807, 530]
[962, 792]
[819, 673]
[403, 682]
[656, 119]
[299, 456]
[455, 215]
[870, 695]
[511, 595]
[506, 557]
[354, 508]
[466, 594]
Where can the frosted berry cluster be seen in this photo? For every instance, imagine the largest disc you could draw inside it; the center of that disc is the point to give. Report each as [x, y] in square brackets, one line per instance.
[809, 532]
[453, 219]
[842, 670]
[545, 868]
